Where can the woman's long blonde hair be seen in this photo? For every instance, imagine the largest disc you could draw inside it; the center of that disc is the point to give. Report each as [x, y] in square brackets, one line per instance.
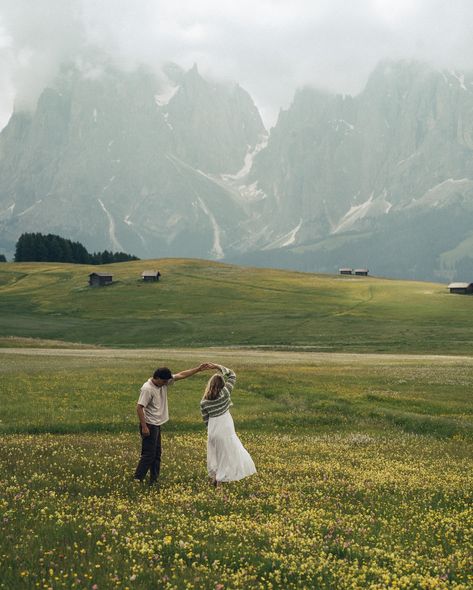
[214, 386]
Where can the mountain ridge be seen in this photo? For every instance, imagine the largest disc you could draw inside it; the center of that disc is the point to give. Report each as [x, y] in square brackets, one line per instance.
[178, 165]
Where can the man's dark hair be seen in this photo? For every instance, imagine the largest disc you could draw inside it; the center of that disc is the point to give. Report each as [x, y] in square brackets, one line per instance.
[162, 373]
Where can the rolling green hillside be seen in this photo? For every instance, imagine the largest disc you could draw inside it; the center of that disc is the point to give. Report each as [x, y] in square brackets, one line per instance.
[202, 303]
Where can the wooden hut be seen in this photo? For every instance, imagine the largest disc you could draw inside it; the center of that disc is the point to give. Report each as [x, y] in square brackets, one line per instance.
[150, 275]
[461, 288]
[100, 279]
[361, 272]
[345, 271]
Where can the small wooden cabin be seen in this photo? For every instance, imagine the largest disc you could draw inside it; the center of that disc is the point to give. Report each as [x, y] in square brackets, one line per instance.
[150, 275]
[461, 288]
[361, 272]
[345, 271]
[100, 279]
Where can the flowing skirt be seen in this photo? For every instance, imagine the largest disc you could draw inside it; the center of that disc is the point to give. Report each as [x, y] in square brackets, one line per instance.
[227, 458]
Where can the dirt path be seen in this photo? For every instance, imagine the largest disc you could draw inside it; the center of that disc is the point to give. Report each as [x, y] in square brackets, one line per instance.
[242, 355]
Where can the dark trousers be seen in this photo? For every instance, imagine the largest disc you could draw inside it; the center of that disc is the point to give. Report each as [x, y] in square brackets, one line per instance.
[150, 454]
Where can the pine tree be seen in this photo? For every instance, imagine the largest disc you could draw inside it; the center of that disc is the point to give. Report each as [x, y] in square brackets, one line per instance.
[106, 257]
[40, 247]
[36, 247]
[79, 254]
[25, 250]
[55, 249]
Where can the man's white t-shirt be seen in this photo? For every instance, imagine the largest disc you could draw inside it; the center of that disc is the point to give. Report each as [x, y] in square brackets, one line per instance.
[154, 400]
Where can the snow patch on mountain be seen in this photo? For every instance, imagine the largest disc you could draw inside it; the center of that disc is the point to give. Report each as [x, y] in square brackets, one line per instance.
[111, 228]
[241, 193]
[443, 193]
[286, 240]
[108, 184]
[217, 250]
[166, 119]
[460, 78]
[8, 212]
[30, 208]
[251, 193]
[407, 159]
[449, 181]
[341, 124]
[355, 213]
[257, 238]
[245, 193]
[248, 162]
[372, 207]
[164, 97]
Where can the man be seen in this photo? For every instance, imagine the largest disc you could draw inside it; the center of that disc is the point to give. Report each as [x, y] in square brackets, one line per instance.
[152, 410]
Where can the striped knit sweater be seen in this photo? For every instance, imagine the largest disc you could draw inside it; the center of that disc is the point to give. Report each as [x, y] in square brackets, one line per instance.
[210, 408]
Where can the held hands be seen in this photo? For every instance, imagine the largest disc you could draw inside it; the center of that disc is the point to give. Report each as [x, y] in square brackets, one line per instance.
[207, 366]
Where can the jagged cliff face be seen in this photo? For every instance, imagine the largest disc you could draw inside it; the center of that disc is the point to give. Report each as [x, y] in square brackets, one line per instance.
[181, 166]
[344, 175]
[341, 159]
[120, 161]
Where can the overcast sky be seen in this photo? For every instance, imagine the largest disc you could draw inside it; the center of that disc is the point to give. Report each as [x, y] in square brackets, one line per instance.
[270, 47]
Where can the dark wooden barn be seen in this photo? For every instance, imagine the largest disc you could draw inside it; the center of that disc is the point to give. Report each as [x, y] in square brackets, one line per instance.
[99, 279]
[461, 288]
[150, 275]
[345, 271]
[361, 272]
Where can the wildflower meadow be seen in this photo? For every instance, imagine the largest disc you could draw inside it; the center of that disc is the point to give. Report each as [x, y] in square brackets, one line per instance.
[364, 474]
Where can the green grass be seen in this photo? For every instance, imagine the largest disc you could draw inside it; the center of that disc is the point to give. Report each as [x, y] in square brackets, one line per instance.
[364, 460]
[201, 303]
[364, 474]
[96, 391]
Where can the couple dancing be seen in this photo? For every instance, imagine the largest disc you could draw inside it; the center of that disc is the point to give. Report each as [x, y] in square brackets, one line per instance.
[227, 458]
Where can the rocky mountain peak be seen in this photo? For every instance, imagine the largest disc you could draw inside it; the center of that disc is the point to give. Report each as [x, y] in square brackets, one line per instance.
[178, 164]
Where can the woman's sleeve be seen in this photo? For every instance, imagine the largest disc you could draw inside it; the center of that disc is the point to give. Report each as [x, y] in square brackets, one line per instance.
[205, 414]
[229, 377]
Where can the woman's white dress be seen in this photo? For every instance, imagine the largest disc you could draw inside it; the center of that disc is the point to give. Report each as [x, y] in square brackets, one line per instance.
[227, 458]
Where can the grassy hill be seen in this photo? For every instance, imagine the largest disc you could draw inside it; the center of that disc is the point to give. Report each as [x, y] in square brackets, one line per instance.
[202, 303]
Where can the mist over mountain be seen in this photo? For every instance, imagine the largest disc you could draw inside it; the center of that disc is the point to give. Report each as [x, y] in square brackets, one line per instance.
[119, 160]
[177, 165]
[383, 179]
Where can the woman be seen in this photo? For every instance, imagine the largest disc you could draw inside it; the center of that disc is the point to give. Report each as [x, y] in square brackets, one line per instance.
[227, 458]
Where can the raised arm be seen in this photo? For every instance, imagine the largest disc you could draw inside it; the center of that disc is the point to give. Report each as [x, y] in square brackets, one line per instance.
[190, 372]
[229, 377]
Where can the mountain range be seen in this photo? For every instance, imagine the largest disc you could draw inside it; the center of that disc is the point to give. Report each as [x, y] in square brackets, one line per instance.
[174, 164]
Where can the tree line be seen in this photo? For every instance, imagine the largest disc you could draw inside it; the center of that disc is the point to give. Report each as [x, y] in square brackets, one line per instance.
[37, 247]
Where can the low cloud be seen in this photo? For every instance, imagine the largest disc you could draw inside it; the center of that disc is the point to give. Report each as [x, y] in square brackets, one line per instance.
[271, 47]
